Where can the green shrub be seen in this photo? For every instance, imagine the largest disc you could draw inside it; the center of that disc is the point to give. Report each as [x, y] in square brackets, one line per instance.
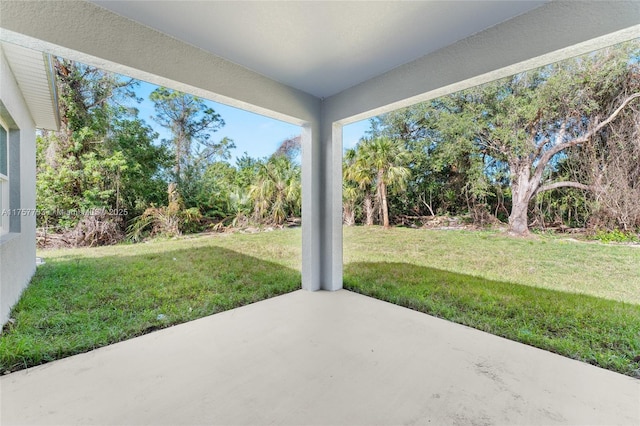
[616, 236]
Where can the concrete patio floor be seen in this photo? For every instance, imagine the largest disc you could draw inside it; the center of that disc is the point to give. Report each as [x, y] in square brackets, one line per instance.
[319, 358]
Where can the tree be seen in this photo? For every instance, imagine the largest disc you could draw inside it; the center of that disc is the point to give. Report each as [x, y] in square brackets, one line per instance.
[277, 190]
[103, 156]
[145, 161]
[351, 191]
[447, 173]
[527, 121]
[192, 189]
[191, 123]
[357, 173]
[218, 182]
[380, 160]
[290, 147]
[611, 165]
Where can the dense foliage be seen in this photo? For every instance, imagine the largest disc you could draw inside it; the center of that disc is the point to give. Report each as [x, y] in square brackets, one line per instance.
[106, 174]
[557, 146]
[102, 166]
[566, 135]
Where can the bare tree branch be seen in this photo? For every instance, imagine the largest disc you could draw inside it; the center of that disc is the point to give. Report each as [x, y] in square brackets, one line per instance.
[547, 156]
[556, 185]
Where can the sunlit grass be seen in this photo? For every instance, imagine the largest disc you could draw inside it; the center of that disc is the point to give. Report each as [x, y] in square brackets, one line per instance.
[608, 271]
[556, 294]
[82, 299]
[594, 330]
[581, 300]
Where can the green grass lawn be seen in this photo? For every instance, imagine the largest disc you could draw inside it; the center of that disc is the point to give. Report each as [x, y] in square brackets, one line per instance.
[82, 299]
[581, 300]
[604, 270]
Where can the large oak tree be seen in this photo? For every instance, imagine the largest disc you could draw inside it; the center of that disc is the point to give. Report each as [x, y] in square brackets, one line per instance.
[528, 121]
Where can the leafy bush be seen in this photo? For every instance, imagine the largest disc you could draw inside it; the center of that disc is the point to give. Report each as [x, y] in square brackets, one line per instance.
[616, 236]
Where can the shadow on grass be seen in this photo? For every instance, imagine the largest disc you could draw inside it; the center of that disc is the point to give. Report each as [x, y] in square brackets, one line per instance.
[601, 332]
[75, 305]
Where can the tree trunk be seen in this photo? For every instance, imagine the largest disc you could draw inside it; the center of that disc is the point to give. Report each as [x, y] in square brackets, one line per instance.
[518, 219]
[349, 215]
[385, 206]
[522, 189]
[368, 209]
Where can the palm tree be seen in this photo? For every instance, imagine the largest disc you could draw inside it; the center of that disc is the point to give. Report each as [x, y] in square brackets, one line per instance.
[277, 191]
[357, 172]
[384, 158]
[350, 190]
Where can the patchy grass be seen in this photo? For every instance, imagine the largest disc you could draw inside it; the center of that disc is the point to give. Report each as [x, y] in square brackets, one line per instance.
[581, 300]
[82, 299]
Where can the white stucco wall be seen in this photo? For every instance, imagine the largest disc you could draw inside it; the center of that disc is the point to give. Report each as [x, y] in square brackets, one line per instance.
[18, 249]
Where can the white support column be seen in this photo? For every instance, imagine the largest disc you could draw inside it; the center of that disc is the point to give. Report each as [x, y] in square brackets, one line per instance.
[331, 189]
[322, 206]
[311, 207]
[334, 216]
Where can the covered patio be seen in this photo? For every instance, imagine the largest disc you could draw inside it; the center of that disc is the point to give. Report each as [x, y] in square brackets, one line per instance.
[318, 357]
[326, 358]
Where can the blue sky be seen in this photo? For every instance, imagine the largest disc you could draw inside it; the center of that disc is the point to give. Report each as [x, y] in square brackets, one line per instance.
[258, 135]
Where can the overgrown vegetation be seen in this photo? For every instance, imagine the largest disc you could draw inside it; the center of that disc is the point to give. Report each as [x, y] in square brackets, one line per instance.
[560, 144]
[105, 174]
[103, 159]
[556, 147]
[616, 236]
[581, 300]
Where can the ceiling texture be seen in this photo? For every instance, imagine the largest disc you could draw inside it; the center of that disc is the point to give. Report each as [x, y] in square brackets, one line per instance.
[33, 73]
[320, 47]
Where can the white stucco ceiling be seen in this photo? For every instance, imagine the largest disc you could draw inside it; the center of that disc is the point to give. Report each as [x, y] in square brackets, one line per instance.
[320, 47]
